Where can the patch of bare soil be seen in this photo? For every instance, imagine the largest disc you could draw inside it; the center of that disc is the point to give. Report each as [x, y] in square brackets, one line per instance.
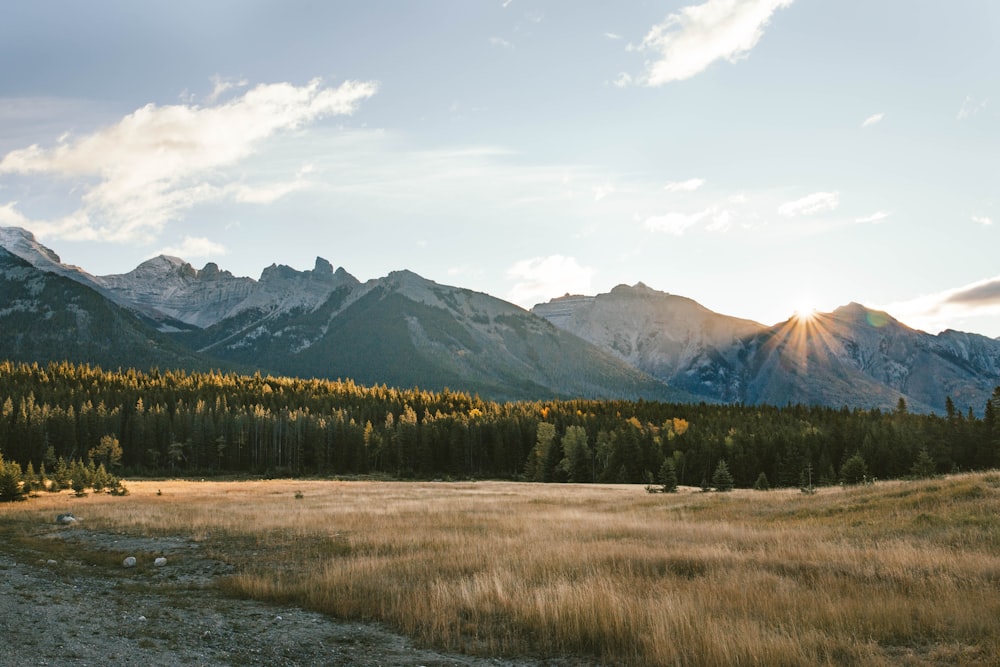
[67, 600]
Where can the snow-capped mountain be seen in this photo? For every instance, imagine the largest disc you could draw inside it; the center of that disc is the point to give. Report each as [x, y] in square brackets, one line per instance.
[400, 330]
[45, 316]
[22, 243]
[853, 356]
[169, 286]
[405, 330]
[657, 332]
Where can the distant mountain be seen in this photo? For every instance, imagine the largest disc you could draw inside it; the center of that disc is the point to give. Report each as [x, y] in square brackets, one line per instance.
[405, 330]
[671, 337]
[45, 317]
[170, 287]
[853, 356]
[399, 330]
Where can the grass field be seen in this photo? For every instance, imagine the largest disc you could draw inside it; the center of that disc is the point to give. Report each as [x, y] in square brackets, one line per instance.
[896, 573]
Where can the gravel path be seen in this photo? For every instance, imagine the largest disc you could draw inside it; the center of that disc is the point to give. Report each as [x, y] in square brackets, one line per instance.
[77, 612]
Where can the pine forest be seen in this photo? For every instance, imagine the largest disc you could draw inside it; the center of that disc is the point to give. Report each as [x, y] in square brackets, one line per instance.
[192, 424]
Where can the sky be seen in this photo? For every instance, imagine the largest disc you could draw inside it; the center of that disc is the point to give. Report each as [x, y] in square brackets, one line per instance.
[758, 156]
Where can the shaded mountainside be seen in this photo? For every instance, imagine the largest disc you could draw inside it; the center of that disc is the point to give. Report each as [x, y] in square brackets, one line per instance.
[47, 317]
[401, 330]
[853, 356]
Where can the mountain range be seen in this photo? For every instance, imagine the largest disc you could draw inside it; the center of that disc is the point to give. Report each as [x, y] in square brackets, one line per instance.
[404, 330]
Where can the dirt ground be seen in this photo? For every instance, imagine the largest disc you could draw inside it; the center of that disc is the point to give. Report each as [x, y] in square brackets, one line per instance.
[75, 604]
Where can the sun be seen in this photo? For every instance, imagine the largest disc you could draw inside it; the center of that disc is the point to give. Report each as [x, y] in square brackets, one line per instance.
[805, 311]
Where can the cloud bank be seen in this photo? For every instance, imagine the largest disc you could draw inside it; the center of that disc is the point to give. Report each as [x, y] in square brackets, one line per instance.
[155, 163]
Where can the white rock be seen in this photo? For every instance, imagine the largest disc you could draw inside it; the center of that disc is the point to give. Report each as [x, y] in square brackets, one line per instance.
[160, 562]
[141, 618]
[129, 562]
[66, 519]
[50, 562]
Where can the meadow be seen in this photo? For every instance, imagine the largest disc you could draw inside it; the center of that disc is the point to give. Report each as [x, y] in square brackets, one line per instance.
[903, 572]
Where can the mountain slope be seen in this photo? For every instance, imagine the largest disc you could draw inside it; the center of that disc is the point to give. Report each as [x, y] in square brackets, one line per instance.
[48, 317]
[404, 330]
[169, 286]
[853, 356]
[673, 338]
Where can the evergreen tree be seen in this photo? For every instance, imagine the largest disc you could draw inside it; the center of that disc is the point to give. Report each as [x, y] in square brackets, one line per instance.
[668, 475]
[923, 466]
[854, 470]
[576, 461]
[10, 481]
[762, 484]
[722, 479]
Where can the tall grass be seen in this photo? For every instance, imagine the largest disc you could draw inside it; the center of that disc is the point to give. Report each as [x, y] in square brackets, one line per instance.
[898, 573]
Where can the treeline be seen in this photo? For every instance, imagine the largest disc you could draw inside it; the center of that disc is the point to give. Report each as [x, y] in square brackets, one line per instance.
[180, 423]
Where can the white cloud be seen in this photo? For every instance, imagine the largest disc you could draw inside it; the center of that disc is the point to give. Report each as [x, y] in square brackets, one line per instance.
[602, 191]
[498, 41]
[688, 41]
[933, 312]
[817, 202]
[222, 85]
[505, 3]
[874, 218]
[611, 35]
[873, 119]
[542, 278]
[624, 80]
[982, 220]
[970, 107]
[689, 185]
[194, 247]
[137, 175]
[715, 219]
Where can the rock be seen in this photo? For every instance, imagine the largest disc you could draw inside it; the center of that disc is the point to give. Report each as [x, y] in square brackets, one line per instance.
[50, 562]
[160, 562]
[129, 562]
[66, 519]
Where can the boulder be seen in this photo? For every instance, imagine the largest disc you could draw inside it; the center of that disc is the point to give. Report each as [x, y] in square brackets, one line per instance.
[129, 562]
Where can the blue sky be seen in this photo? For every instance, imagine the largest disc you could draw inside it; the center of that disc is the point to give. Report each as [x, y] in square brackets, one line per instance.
[758, 156]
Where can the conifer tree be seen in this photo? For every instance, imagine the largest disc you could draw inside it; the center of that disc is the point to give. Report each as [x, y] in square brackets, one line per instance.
[762, 484]
[10, 481]
[923, 466]
[854, 470]
[722, 479]
[668, 475]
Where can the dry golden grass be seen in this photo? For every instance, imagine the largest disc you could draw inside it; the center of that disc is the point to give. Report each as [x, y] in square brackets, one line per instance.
[898, 573]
